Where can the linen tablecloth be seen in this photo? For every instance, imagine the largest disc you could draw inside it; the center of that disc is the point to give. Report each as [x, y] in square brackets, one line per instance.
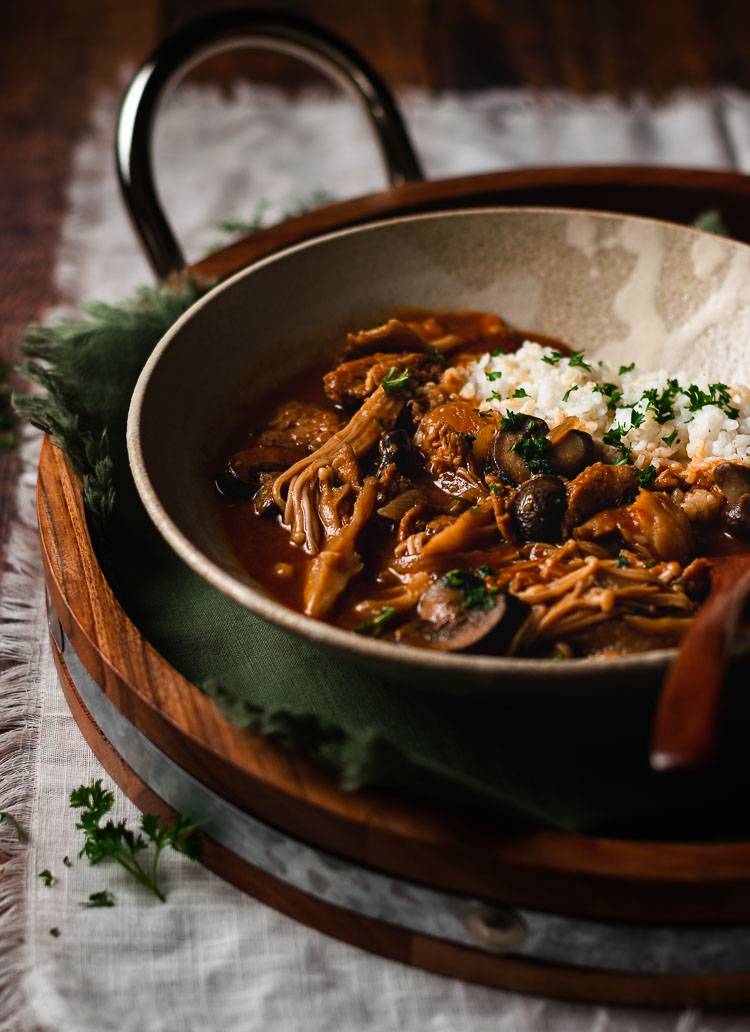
[212, 957]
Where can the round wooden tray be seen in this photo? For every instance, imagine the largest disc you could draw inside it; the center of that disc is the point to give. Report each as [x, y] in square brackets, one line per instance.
[566, 915]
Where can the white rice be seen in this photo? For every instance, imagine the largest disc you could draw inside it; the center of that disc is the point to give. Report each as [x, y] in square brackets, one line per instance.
[556, 389]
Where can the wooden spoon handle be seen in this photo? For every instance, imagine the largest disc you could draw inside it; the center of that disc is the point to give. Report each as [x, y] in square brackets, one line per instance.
[685, 728]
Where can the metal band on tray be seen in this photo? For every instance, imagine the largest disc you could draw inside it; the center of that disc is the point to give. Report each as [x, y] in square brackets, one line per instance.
[511, 931]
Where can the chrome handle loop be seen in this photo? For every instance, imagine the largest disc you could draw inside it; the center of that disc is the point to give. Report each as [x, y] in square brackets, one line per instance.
[226, 31]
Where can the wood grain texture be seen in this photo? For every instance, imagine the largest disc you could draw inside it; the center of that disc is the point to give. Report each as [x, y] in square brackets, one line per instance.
[597, 877]
[54, 59]
[421, 951]
[595, 46]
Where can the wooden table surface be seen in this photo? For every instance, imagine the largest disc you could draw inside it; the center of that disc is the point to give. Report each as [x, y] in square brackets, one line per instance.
[56, 55]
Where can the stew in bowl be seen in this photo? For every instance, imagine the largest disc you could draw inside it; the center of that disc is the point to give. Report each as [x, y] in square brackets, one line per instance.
[355, 440]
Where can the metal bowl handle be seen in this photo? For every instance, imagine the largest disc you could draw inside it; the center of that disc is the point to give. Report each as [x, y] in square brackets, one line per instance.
[224, 31]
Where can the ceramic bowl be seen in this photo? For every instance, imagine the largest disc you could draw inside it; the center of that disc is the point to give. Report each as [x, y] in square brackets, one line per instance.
[622, 288]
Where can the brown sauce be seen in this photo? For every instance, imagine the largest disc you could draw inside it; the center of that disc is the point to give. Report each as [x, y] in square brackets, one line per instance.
[261, 543]
[263, 546]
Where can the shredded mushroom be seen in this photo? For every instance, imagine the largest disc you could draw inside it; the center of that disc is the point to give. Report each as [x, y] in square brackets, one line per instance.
[487, 502]
[360, 434]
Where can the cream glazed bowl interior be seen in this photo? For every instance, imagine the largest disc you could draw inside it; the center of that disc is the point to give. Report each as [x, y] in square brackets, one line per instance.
[621, 288]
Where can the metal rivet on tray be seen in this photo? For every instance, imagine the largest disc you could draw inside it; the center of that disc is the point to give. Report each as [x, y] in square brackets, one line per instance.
[496, 929]
[55, 627]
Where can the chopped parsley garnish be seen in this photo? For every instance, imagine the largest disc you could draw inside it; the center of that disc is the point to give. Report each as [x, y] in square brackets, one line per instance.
[636, 418]
[378, 420]
[626, 369]
[612, 393]
[519, 392]
[494, 397]
[569, 392]
[662, 404]
[482, 413]
[100, 899]
[496, 352]
[494, 489]
[494, 376]
[710, 221]
[46, 876]
[576, 359]
[5, 816]
[469, 438]
[66, 861]
[118, 842]
[614, 438]
[54, 932]
[717, 394]
[647, 475]
[534, 449]
[513, 421]
[398, 382]
[475, 593]
[375, 626]
[485, 571]
[650, 563]
[670, 440]
[622, 561]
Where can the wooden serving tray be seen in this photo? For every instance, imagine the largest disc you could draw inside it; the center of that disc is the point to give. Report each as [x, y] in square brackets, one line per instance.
[542, 912]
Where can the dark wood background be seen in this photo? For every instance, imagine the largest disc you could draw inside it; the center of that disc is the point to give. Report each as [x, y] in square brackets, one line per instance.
[56, 56]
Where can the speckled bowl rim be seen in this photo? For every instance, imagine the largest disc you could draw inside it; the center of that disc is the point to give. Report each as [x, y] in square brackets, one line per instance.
[405, 658]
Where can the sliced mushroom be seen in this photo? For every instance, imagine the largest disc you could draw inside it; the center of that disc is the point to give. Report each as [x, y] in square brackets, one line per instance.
[538, 509]
[263, 501]
[733, 480]
[239, 478]
[446, 623]
[571, 451]
[395, 446]
[736, 516]
[503, 457]
[441, 603]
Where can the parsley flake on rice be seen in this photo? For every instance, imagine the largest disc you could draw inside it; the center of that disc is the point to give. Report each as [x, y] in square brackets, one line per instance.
[659, 419]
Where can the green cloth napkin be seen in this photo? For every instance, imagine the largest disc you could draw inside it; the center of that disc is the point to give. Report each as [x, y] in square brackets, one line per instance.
[580, 768]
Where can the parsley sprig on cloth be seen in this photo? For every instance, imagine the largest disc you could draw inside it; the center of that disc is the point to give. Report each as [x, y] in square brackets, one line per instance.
[6, 816]
[118, 842]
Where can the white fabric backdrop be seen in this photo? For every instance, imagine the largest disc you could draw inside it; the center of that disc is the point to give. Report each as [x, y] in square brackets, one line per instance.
[211, 957]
